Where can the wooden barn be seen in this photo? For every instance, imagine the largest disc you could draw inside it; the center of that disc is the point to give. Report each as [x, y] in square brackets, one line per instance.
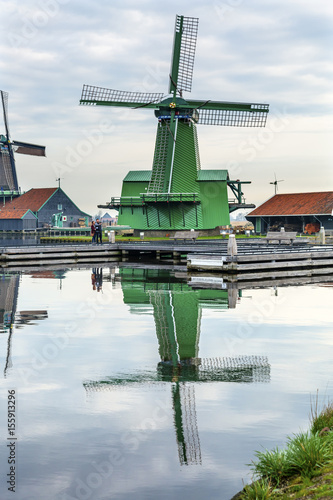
[301, 212]
[50, 206]
[19, 219]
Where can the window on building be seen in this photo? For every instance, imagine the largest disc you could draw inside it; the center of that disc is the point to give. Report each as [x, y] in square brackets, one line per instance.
[59, 206]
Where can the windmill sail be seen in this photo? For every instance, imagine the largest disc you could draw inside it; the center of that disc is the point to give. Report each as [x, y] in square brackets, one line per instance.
[92, 96]
[184, 45]
[8, 177]
[233, 118]
[26, 148]
[7, 180]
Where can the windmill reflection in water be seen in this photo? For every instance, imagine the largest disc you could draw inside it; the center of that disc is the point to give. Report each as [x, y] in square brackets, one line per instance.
[177, 310]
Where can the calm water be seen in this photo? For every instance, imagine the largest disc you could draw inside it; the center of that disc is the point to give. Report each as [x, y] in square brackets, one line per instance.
[148, 388]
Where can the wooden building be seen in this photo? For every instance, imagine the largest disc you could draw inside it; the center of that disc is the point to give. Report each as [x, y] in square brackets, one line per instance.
[50, 206]
[19, 219]
[302, 212]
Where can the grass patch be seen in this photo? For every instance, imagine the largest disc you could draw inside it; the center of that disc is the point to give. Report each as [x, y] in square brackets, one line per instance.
[273, 465]
[321, 419]
[307, 453]
[303, 470]
[260, 490]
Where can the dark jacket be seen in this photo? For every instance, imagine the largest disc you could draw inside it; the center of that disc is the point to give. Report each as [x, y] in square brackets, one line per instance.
[98, 227]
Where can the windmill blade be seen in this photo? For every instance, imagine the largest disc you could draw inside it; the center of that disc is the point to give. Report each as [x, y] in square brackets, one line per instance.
[8, 176]
[27, 148]
[232, 118]
[232, 114]
[4, 100]
[8, 180]
[184, 45]
[237, 369]
[99, 96]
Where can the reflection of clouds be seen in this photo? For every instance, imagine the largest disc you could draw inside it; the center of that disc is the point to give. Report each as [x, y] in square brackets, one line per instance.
[36, 388]
[307, 305]
[63, 429]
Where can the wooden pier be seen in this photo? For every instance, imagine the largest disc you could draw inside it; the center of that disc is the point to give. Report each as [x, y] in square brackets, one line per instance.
[57, 254]
[268, 262]
[249, 261]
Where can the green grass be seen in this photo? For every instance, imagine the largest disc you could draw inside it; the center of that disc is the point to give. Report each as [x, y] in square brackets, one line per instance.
[308, 452]
[272, 464]
[303, 470]
[259, 490]
[321, 419]
[133, 238]
[87, 239]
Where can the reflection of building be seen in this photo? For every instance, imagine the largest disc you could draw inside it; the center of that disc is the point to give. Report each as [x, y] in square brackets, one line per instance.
[177, 310]
[9, 288]
[9, 285]
[26, 317]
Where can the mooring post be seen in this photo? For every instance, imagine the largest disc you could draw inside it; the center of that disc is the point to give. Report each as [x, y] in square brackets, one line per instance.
[158, 254]
[112, 236]
[322, 237]
[232, 245]
[232, 295]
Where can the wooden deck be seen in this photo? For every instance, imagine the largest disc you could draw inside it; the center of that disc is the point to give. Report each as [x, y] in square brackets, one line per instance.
[267, 263]
[252, 260]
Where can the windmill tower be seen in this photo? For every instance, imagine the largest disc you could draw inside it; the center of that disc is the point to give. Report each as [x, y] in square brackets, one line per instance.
[176, 193]
[8, 177]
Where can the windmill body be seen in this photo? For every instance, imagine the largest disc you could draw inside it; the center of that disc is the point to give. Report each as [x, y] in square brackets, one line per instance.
[8, 178]
[176, 194]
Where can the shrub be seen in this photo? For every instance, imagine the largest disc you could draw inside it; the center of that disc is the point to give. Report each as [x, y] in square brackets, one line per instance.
[307, 452]
[323, 419]
[273, 465]
[260, 490]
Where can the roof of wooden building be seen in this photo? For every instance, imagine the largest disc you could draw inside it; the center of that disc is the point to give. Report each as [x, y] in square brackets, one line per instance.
[296, 204]
[33, 199]
[14, 213]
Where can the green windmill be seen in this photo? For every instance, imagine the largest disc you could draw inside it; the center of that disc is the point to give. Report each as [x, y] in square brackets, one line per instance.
[176, 194]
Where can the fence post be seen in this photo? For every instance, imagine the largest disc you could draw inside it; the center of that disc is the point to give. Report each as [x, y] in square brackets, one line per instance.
[232, 245]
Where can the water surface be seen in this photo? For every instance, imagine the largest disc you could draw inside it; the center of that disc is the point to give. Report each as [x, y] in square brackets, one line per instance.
[132, 384]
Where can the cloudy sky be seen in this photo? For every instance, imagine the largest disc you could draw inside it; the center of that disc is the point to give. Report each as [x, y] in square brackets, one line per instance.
[276, 52]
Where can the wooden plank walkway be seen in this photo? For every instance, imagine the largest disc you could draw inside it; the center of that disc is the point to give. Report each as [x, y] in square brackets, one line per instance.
[252, 259]
[269, 263]
[218, 282]
[57, 254]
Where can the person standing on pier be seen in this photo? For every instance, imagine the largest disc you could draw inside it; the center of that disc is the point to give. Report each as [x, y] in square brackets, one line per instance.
[93, 231]
[98, 230]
